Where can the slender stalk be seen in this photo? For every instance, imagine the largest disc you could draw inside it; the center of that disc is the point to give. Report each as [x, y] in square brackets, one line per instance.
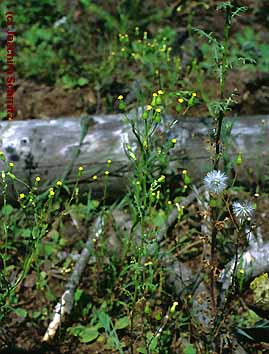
[217, 140]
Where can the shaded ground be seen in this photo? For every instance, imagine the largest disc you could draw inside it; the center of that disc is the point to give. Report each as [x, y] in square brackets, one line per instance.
[36, 99]
[40, 101]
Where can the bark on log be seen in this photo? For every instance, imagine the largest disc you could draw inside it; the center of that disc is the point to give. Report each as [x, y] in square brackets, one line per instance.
[46, 148]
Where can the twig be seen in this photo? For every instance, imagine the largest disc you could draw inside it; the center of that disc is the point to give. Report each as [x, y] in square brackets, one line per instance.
[65, 305]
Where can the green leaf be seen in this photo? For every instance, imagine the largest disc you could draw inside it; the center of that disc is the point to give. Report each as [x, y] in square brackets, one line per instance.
[88, 334]
[78, 294]
[76, 330]
[187, 179]
[85, 3]
[26, 233]
[213, 203]
[122, 322]
[179, 107]
[142, 350]
[82, 81]
[189, 349]
[36, 314]
[7, 210]
[21, 312]
[153, 344]
[68, 82]
[159, 219]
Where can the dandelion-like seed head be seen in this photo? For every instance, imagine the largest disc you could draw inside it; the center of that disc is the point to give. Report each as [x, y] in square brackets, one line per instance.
[215, 181]
[243, 210]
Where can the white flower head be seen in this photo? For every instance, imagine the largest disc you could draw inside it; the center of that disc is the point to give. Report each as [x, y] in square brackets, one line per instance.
[215, 181]
[243, 210]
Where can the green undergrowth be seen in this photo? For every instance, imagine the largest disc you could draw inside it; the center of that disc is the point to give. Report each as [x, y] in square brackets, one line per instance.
[130, 48]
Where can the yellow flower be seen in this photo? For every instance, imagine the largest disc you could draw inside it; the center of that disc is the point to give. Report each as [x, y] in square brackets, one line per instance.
[11, 164]
[194, 94]
[161, 179]
[109, 161]
[180, 100]
[184, 172]
[148, 263]
[37, 179]
[94, 177]
[154, 94]
[149, 107]
[169, 202]
[173, 308]
[158, 110]
[59, 183]
[52, 193]
[160, 92]
[22, 196]
[174, 141]
[81, 168]
[120, 97]
[106, 173]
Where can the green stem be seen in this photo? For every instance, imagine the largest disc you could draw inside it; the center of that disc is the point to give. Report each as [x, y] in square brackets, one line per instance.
[219, 120]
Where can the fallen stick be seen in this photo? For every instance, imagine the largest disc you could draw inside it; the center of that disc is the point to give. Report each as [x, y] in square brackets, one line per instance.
[65, 305]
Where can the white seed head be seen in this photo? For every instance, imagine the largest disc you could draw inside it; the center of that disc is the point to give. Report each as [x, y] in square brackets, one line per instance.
[215, 181]
[243, 210]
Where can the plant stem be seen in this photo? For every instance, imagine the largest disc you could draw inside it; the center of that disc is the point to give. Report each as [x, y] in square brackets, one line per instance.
[219, 120]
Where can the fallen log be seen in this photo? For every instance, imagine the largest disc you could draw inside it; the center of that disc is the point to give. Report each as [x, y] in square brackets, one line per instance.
[54, 149]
